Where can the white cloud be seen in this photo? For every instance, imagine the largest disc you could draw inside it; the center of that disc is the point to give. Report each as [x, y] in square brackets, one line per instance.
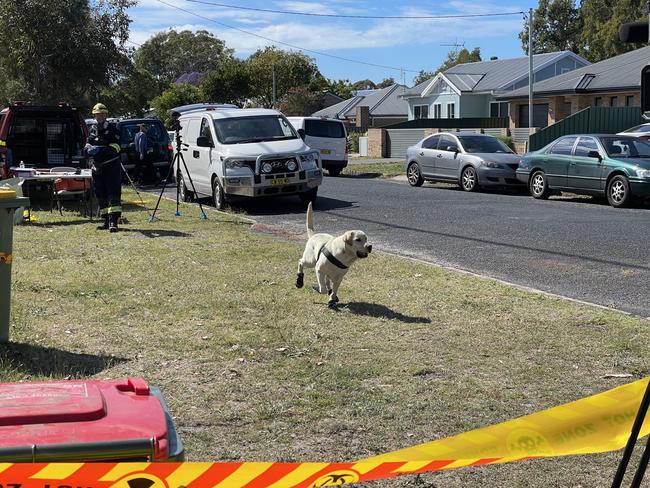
[306, 7]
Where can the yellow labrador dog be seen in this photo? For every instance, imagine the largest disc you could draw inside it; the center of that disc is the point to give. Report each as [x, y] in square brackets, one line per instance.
[331, 257]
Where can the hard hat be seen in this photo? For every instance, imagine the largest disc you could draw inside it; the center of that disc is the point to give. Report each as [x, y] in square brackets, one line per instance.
[100, 108]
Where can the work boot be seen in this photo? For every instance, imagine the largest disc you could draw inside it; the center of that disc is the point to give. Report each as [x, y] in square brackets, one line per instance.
[112, 222]
[104, 226]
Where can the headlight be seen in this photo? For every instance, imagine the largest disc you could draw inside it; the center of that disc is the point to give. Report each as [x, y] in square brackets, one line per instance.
[643, 173]
[491, 164]
[291, 165]
[233, 163]
[309, 161]
[267, 168]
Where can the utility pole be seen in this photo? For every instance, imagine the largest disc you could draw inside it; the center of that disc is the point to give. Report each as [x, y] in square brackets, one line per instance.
[273, 94]
[530, 70]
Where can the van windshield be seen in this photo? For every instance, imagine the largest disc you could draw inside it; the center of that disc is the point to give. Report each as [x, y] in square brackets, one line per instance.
[242, 130]
[324, 128]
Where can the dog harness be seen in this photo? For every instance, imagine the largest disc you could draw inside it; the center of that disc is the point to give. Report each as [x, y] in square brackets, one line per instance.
[330, 257]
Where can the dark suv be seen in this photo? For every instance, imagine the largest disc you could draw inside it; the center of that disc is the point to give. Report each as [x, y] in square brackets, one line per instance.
[159, 153]
[41, 137]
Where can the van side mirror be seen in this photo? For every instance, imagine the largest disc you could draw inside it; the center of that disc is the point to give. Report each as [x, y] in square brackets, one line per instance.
[203, 141]
[301, 133]
[594, 154]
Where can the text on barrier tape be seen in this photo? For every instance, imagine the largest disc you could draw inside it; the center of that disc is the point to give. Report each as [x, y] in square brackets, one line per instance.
[594, 424]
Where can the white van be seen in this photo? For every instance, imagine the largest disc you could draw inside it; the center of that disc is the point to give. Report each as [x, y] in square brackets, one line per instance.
[234, 152]
[328, 137]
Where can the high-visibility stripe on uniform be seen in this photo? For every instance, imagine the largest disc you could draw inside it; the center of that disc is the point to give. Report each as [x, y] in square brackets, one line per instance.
[115, 146]
[103, 211]
[116, 209]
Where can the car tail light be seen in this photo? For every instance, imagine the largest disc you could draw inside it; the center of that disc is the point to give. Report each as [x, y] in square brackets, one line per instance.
[645, 138]
[170, 147]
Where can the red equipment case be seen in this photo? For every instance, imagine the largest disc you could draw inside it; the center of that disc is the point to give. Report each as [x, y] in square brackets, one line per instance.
[96, 420]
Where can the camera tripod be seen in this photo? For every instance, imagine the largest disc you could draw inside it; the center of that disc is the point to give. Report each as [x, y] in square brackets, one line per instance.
[176, 163]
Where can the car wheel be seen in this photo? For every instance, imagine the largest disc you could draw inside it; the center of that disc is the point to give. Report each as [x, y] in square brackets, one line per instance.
[309, 196]
[334, 171]
[538, 186]
[218, 196]
[185, 194]
[469, 179]
[618, 192]
[413, 175]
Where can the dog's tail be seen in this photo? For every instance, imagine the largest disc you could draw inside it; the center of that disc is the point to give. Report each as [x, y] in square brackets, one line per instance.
[310, 221]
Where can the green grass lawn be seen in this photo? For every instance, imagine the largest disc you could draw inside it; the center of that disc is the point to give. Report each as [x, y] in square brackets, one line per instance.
[374, 170]
[255, 369]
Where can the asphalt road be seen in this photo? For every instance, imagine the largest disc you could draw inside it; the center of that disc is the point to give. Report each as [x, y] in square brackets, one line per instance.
[576, 247]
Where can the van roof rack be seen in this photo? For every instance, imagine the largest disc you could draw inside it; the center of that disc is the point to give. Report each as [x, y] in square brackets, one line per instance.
[201, 106]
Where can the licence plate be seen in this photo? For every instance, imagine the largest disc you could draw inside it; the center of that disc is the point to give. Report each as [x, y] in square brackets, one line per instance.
[325, 151]
[280, 181]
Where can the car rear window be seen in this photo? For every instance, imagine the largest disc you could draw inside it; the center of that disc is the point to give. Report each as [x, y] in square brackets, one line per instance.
[324, 128]
[155, 134]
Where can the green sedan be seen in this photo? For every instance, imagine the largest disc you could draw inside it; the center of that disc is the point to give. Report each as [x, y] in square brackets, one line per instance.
[593, 164]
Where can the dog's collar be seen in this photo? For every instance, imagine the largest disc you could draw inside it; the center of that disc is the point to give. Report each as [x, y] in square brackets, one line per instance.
[330, 257]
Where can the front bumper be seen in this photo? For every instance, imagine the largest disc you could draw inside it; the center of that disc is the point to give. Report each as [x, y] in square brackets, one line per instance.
[640, 187]
[262, 185]
[497, 176]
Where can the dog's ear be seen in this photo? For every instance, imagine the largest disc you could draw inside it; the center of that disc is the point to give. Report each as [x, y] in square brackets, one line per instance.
[348, 237]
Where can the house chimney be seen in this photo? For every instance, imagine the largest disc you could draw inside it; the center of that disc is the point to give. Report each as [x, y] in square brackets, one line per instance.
[494, 58]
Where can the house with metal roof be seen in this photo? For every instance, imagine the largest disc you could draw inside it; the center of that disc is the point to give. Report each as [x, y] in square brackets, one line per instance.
[471, 89]
[613, 82]
[370, 108]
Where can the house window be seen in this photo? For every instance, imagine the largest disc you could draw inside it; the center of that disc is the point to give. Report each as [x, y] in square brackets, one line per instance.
[613, 101]
[498, 109]
[629, 101]
[421, 112]
[437, 110]
[567, 109]
[564, 70]
[598, 102]
[451, 110]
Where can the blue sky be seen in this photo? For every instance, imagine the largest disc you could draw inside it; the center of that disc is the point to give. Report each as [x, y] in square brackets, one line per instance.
[406, 44]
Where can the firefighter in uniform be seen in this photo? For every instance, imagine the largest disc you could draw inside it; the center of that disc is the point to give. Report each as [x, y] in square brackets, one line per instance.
[104, 148]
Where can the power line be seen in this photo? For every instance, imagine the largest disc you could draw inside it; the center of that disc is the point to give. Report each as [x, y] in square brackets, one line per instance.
[343, 16]
[286, 43]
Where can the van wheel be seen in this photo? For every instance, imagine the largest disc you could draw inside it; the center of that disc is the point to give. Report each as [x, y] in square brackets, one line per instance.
[218, 196]
[185, 194]
[334, 171]
[309, 196]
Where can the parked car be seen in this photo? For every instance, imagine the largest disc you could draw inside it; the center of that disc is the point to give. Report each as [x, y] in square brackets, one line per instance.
[611, 165]
[472, 160]
[328, 137]
[641, 131]
[41, 137]
[160, 151]
[233, 152]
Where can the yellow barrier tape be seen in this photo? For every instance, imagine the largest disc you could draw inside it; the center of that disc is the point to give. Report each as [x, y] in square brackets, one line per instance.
[595, 424]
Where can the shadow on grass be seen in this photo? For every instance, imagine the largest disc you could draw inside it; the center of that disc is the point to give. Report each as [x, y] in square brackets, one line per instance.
[61, 223]
[153, 233]
[46, 361]
[382, 311]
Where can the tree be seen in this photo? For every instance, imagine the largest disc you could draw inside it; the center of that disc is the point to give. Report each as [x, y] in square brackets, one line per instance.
[342, 88]
[602, 19]
[386, 82]
[301, 101]
[175, 96]
[557, 25]
[131, 95]
[168, 55]
[460, 57]
[229, 82]
[363, 85]
[71, 55]
[423, 76]
[292, 69]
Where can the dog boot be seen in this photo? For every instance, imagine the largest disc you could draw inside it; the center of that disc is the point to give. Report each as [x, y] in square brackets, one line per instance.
[104, 226]
[300, 280]
[112, 222]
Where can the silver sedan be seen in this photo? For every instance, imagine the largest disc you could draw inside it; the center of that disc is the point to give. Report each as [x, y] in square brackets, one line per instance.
[471, 160]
